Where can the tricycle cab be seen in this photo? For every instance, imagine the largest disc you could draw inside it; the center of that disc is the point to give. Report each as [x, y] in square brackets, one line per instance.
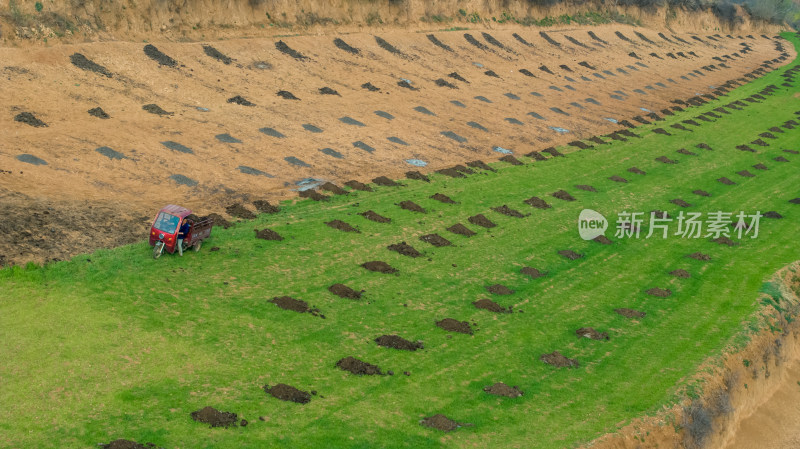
[164, 230]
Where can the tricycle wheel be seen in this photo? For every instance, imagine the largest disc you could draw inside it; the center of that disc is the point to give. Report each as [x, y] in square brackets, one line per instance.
[158, 249]
[196, 246]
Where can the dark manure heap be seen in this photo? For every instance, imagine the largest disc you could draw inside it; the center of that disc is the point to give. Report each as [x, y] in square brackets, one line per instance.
[569, 254]
[379, 267]
[659, 292]
[505, 210]
[239, 211]
[344, 291]
[482, 221]
[412, 206]
[533, 272]
[374, 216]
[286, 95]
[156, 109]
[488, 304]
[341, 226]
[398, 342]
[216, 54]
[288, 393]
[386, 182]
[591, 333]
[501, 389]
[442, 198]
[156, 55]
[389, 47]
[355, 185]
[453, 325]
[417, 176]
[289, 303]
[29, 119]
[537, 202]
[441, 422]
[268, 234]
[435, 240]
[313, 194]
[238, 99]
[342, 45]
[285, 49]
[556, 359]
[215, 418]
[499, 289]
[460, 229]
[82, 62]
[358, 367]
[404, 249]
[563, 195]
[99, 113]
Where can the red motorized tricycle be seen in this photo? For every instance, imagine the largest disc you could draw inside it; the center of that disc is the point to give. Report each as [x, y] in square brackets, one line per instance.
[166, 226]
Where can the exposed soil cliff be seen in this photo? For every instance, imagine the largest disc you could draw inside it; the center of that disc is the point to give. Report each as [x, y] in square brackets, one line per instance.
[82, 20]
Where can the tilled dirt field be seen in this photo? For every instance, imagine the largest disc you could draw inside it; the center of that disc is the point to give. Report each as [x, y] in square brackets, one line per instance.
[223, 131]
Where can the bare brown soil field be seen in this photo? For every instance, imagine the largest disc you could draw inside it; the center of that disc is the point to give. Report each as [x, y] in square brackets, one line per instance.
[206, 125]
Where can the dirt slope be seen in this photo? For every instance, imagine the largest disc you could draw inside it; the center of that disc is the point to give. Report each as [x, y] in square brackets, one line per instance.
[83, 182]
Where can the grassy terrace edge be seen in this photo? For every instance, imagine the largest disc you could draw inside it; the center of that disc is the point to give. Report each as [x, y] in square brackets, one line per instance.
[114, 345]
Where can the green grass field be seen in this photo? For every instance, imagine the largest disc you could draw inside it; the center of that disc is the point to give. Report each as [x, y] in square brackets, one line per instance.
[117, 345]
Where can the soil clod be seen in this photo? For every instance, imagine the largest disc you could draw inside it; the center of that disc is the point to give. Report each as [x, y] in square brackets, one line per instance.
[683, 274]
